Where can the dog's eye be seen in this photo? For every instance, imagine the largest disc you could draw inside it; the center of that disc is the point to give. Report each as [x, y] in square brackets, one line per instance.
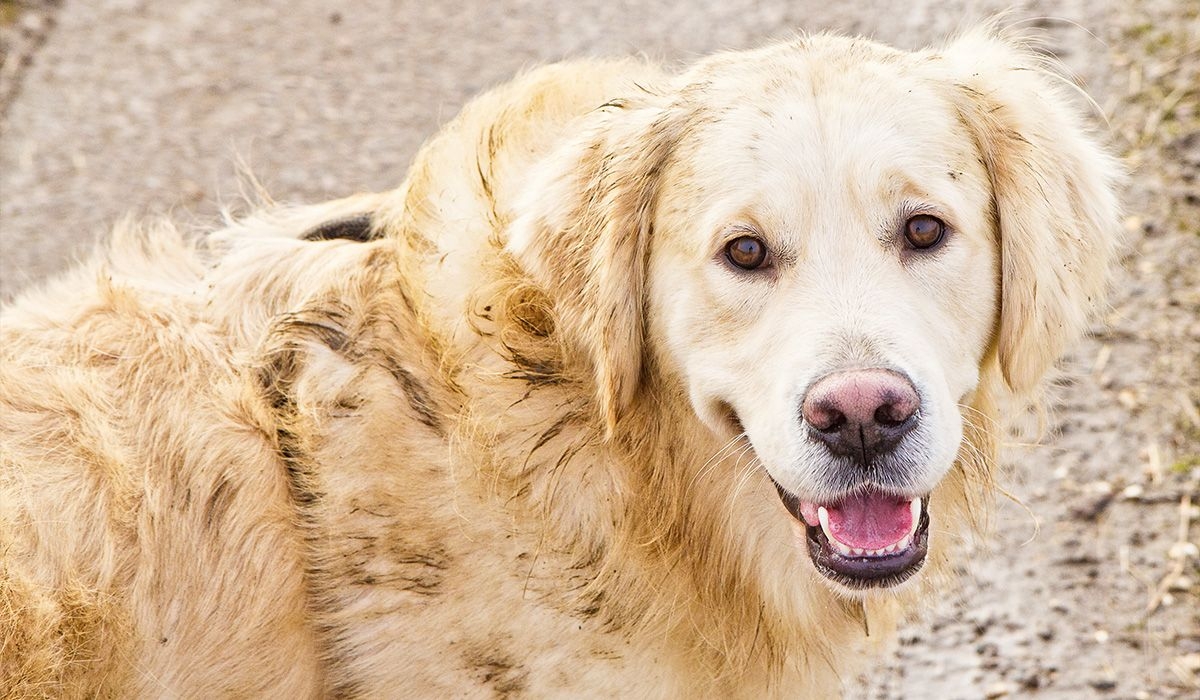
[747, 252]
[924, 231]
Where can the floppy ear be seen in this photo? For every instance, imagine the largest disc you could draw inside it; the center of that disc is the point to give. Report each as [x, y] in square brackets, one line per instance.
[1053, 187]
[582, 231]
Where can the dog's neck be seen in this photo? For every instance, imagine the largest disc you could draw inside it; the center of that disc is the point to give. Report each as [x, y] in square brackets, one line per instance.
[652, 519]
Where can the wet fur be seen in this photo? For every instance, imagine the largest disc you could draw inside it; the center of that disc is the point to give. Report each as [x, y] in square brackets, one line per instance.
[369, 447]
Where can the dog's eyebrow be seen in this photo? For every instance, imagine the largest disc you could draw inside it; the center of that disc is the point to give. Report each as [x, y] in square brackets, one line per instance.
[352, 228]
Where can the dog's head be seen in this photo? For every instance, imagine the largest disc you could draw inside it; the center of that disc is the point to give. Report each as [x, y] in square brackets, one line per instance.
[830, 244]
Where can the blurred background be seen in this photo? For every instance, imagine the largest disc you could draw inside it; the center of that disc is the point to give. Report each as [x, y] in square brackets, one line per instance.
[1089, 585]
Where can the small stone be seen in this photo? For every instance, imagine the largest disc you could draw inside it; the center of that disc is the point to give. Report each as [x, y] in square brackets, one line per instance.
[1133, 492]
[1181, 584]
[1101, 636]
[1184, 550]
[998, 690]
[33, 23]
[1103, 683]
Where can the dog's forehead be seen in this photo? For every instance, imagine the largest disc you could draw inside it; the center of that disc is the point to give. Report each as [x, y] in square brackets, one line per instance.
[846, 123]
[843, 100]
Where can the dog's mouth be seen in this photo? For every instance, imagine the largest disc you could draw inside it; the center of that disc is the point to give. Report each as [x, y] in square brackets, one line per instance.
[866, 539]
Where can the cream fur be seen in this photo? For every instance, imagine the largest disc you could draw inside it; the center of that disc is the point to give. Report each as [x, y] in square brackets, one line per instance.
[497, 449]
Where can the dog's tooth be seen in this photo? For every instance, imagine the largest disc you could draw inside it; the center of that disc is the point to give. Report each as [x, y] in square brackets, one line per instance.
[823, 518]
[914, 507]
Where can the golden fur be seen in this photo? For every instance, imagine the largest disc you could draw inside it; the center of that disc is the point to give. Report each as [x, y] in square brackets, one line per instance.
[497, 449]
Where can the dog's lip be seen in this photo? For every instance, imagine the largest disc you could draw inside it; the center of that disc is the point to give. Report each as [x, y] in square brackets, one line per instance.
[854, 568]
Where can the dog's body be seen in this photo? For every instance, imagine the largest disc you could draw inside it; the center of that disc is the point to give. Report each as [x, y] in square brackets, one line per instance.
[493, 448]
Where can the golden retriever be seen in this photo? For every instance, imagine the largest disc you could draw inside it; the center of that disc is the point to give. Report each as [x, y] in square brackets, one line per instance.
[642, 384]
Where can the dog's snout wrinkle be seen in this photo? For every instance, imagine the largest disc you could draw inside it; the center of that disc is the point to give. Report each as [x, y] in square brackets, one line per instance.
[861, 413]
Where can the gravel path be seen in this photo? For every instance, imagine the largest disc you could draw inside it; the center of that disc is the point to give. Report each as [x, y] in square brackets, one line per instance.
[1090, 587]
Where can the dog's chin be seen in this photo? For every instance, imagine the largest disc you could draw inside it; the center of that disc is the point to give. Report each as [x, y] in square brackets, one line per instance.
[866, 541]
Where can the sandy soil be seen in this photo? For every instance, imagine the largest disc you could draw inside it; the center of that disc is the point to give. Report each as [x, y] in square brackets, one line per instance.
[1090, 585]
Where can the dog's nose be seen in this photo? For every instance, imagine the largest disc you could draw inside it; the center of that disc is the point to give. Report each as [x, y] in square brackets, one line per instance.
[861, 413]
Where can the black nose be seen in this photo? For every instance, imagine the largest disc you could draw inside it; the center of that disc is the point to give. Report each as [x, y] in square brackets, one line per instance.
[861, 414]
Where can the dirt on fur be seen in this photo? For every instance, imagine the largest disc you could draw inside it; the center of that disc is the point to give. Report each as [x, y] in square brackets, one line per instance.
[1089, 585]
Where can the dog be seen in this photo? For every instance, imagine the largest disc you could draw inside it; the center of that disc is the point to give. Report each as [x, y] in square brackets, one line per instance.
[642, 384]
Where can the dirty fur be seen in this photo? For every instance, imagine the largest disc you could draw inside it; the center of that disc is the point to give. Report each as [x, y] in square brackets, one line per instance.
[446, 441]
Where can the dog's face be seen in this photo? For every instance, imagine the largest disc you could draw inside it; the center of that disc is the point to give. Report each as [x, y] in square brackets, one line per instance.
[826, 242]
[824, 276]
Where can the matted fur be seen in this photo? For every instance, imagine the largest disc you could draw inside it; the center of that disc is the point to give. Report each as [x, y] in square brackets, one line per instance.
[490, 451]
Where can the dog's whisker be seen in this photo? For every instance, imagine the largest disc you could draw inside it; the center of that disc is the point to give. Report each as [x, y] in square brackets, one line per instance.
[744, 473]
[717, 457]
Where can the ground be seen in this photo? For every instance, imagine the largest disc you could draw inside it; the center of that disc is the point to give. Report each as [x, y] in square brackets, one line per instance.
[1089, 585]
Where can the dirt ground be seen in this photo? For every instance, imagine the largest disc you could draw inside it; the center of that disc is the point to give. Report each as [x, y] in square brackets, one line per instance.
[1089, 585]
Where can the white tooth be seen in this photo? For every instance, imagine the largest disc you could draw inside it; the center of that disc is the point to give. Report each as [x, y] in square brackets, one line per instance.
[823, 517]
[914, 507]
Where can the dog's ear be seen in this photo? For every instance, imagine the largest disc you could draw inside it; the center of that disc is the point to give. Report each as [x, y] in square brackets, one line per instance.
[582, 231]
[1053, 187]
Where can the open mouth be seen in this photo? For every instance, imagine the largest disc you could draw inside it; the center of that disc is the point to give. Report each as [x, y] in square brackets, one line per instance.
[866, 539]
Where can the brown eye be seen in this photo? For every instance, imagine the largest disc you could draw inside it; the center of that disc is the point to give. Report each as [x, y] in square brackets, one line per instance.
[747, 252]
[924, 231]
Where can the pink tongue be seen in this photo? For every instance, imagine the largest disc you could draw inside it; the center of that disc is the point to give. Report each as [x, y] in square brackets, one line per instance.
[871, 521]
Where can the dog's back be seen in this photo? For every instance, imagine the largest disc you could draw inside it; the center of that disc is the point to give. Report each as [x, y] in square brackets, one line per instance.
[191, 487]
[145, 523]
